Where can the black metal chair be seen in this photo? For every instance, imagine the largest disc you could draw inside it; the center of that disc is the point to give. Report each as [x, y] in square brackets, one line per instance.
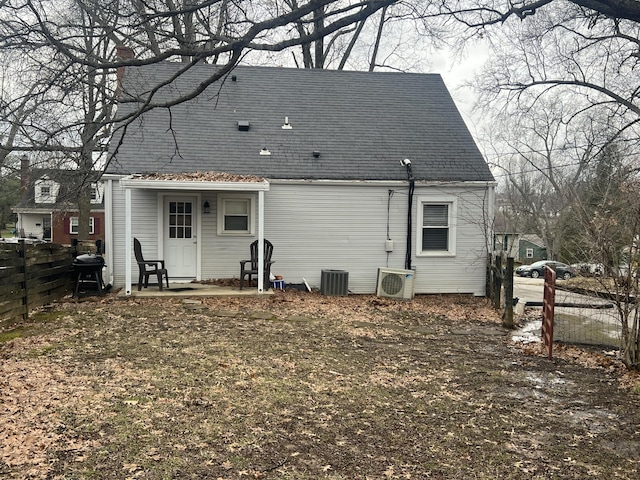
[148, 267]
[252, 267]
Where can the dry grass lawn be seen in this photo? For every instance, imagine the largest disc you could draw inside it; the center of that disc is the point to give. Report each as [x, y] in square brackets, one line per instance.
[301, 386]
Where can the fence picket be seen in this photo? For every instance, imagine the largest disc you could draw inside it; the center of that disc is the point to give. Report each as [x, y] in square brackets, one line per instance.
[33, 275]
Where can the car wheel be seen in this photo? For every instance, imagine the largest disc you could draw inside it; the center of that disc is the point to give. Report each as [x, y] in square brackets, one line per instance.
[566, 276]
[535, 273]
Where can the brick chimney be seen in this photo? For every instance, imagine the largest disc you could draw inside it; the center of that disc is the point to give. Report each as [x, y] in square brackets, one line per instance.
[24, 174]
[122, 53]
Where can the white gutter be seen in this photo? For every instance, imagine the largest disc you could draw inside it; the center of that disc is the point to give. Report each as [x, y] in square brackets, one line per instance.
[369, 183]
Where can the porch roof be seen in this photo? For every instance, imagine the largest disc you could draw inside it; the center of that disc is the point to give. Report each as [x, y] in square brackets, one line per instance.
[195, 182]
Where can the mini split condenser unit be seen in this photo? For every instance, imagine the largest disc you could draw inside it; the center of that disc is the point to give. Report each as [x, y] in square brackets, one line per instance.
[396, 283]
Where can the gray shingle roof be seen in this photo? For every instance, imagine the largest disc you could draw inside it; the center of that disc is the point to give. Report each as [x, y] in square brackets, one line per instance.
[362, 124]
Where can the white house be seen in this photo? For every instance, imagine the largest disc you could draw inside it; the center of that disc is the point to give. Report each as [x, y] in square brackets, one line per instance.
[314, 161]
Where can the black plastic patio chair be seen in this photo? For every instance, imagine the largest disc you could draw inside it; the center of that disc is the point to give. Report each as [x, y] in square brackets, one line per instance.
[249, 268]
[148, 267]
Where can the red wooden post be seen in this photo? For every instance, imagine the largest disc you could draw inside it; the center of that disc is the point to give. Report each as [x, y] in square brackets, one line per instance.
[548, 302]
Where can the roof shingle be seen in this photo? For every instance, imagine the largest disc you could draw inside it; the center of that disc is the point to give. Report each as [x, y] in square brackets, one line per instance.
[362, 124]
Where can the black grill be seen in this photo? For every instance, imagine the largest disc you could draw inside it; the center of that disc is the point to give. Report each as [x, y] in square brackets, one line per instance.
[88, 268]
[88, 259]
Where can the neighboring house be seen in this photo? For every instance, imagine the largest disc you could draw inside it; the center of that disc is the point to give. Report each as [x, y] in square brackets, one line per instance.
[507, 245]
[48, 209]
[524, 248]
[531, 249]
[308, 159]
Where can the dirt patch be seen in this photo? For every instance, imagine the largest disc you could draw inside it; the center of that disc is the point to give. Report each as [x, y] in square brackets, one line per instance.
[302, 386]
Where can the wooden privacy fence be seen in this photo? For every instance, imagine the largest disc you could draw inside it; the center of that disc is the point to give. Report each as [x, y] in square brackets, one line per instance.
[34, 275]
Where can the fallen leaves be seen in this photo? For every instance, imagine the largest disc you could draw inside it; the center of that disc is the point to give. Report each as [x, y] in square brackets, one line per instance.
[30, 424]
[356, 387]
[202, 177]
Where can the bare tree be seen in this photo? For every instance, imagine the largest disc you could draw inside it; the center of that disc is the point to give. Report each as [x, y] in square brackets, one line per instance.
[606, 224]
[62, 99]
[541, 154]
[558, 49]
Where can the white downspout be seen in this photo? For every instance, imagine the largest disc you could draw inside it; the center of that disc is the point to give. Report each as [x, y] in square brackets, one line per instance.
[261, 242]
[108, 225]
[128, 240]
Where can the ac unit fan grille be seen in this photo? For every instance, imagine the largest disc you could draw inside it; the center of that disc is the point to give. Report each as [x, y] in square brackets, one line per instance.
[392, 283]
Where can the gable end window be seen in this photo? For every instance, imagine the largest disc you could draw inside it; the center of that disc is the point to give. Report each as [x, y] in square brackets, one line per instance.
[73, 225]
[437, 228]
[97, 192]
[46, 190]
[235, 215]
[529, 252]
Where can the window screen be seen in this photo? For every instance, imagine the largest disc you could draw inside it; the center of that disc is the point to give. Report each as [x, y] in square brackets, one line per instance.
[236, 215]
[435, 227]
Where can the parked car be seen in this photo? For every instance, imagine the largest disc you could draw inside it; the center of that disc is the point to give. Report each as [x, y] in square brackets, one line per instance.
[535, 270]
[589, 269]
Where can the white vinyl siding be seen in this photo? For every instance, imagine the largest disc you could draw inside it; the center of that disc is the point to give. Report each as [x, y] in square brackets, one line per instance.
[316, 226]
[144, 225]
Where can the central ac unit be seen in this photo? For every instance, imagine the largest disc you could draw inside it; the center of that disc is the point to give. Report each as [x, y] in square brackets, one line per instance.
[395, 283]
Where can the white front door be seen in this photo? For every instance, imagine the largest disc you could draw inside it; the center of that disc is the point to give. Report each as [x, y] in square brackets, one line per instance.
[180, 242]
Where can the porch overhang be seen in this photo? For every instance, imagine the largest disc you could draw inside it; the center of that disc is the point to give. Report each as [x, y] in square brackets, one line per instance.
[191, 183]
[133, 182]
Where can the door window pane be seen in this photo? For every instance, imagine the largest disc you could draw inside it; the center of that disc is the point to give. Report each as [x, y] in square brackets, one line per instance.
[180, 219]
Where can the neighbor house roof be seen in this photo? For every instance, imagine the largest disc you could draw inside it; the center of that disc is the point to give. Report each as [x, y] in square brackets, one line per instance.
[343, 125]
[64, 196]
[533, 238]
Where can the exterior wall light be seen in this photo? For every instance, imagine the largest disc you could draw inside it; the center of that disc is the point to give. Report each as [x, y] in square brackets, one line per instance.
[206, 208]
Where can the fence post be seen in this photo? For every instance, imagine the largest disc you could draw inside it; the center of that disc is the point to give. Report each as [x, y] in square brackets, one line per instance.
[507, 318]
[548, 311]
[22, 253]
[497, 282]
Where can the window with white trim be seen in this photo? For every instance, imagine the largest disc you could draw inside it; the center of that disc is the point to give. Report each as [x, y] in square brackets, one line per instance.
[436, 228]
[73, 225]
[235, 215]
[46, 190]
[97, 192]
[529, 252]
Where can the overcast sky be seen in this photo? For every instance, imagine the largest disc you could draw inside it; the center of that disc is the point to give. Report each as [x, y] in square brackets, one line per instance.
[456, 72]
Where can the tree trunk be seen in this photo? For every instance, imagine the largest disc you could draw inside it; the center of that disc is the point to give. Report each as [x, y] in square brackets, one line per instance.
[318, 25]
[84, 212]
